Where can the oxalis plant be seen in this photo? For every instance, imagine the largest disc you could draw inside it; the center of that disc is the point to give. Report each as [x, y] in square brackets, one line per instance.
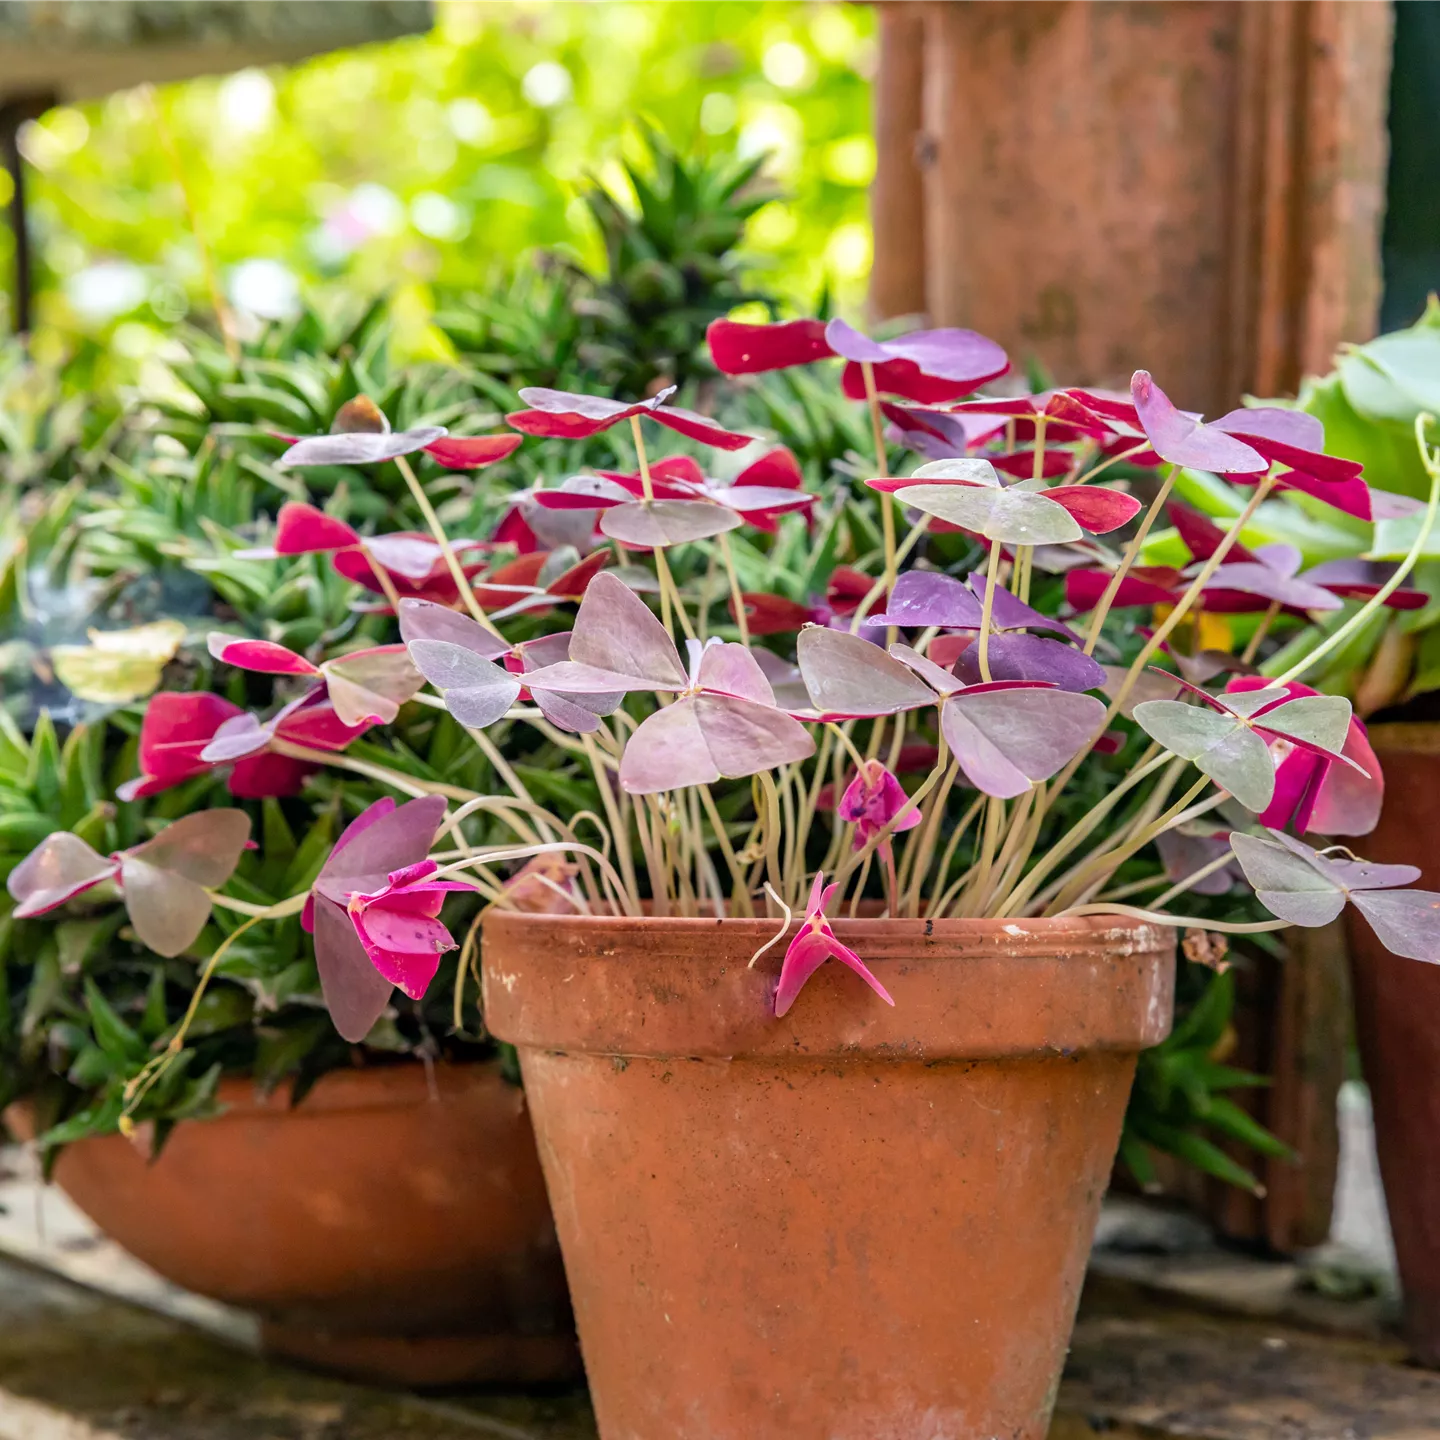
[747, 774]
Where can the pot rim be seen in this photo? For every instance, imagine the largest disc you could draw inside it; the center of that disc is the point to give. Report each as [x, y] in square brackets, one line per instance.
[1020, 935]
[677, 986]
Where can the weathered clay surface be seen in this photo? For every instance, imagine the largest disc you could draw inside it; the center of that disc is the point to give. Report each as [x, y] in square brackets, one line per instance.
[856, 1223]
[1397, 1005]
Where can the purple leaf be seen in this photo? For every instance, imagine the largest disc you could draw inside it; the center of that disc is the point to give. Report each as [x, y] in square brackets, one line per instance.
[1183, 854]
[369, 686]
[1180, 440]
[383, 839]
[1406, 922]
[1009, 517]
[477, 691]
[1004, 740]
[204, 847]
[355, 992]
[1231, 585]
[846, 675]
[1032, 657]
[425, 620]
[616, 630]
[1008, 612]
[922, 598]
[167, 910]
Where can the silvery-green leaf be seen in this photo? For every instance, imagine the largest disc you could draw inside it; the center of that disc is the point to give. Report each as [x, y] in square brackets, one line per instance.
[1322, 720]
[477, 691]
[1285, 884]
[1011, 517]
[1220, 746]
[970, 471]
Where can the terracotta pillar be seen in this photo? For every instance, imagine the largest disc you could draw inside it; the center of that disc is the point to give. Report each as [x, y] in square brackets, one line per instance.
[897, 198]
[1195, 186]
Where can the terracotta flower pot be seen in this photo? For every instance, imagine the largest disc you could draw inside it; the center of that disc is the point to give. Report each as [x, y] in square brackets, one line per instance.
[380, 1229]
[854, 1223]
[1397, 1022]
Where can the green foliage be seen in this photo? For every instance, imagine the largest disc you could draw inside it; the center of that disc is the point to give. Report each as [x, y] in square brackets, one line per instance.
[1181, 1104]
[491, 126]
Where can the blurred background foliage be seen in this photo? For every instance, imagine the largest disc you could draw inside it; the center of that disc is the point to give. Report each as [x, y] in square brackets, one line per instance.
[436, 162]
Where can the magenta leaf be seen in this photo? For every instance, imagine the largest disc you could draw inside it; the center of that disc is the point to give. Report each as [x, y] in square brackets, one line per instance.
[739, 349]
[301, 529]
[1201, 536]
[1181, 440]
[1292, 438]
[173, 735]
[263, 656]
[573, 416]
[471, 452]
[58, 869]
[1094, 507]
[1142, 585]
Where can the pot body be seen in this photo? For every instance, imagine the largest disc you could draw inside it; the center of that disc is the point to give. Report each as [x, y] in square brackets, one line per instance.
[392, 1226]
[854, 1223]
[1397, 1021]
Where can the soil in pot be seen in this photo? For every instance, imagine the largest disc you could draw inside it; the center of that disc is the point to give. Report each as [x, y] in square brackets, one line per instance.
[853, 1223]
[393, 1226]
[1397, 1021]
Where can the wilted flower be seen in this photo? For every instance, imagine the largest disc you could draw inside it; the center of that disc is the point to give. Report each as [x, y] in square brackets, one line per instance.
[872, 800]
[813, 946]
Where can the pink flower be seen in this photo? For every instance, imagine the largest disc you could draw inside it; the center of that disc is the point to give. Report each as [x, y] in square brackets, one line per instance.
[813, 946]
[376, 926]
[872, 800]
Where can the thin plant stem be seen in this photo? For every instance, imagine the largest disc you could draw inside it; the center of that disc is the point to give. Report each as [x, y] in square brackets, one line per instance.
[1254, 927]
[942, 894]
[737, 595]
[882, 462]
[437, 531]
[987, 610]
[1261, 630]
[1127, 560]
[741, 895]
[772, 831]
[382, 578]
[406, 784]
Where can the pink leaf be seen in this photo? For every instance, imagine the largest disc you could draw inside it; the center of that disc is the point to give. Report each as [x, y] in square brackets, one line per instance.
[1094, 507]
[59, 868]
[1180, 440]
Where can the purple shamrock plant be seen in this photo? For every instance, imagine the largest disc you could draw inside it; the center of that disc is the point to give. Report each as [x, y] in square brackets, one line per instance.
[684, 752]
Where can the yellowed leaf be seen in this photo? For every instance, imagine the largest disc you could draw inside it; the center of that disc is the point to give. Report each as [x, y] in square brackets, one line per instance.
[118, 666]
